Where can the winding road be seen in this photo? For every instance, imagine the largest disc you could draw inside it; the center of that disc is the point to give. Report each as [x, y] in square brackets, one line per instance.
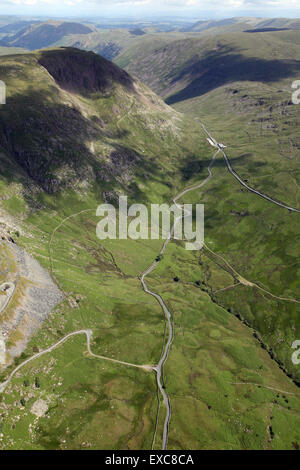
[214, 143]
[88, 334]
[159, 368]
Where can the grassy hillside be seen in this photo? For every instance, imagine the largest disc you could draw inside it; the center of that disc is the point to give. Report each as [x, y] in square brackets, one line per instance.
[243, 23]
[15, 25]
[11, 50]
[66, 130]
[121, 44]
[239, 86]
[86, 135]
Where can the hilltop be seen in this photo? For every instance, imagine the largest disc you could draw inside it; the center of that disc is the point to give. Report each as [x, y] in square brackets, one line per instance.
[65, 130]
[243, 23]
[42, 34]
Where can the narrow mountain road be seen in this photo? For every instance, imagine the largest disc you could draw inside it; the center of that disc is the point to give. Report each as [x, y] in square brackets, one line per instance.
[159, 368]
[214, 143]
[10, 291]
[88, 334]
[262, 386]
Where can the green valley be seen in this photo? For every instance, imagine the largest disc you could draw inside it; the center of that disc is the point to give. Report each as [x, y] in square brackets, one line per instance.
[78, 131]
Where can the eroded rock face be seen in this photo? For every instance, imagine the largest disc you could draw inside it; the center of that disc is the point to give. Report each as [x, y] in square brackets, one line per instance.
[35, 296]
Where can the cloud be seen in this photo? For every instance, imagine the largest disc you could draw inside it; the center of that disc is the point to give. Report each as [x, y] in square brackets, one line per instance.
[171, 3]
[205, 3]
[217, 7]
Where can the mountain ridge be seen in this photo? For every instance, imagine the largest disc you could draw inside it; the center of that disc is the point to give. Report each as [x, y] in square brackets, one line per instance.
[43, 34]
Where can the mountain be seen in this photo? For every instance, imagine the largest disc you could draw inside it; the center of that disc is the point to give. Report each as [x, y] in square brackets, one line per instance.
[65, 130]
[84, 134]
[11, 50]
[239, 85]
[39, 35]
[224, 24]
[15, 26]
[81, 338]
[241, 24]
[121, 42]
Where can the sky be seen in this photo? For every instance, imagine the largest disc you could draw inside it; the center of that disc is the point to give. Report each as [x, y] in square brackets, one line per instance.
[201, 9]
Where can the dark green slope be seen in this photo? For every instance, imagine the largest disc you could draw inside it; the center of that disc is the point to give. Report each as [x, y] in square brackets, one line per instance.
[70, 139]
[191, 67]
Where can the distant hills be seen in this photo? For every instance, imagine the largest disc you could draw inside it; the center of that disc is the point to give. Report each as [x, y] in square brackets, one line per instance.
[124, 43]
[39, 35]
[16, 26]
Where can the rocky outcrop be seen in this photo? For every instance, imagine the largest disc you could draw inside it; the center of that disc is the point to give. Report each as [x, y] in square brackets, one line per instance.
[34, 298]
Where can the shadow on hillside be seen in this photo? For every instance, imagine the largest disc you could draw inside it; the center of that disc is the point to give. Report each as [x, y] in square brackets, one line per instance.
[43, 136]
[219, 68]
[192, 166]
[48, 144]
[84, 72]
